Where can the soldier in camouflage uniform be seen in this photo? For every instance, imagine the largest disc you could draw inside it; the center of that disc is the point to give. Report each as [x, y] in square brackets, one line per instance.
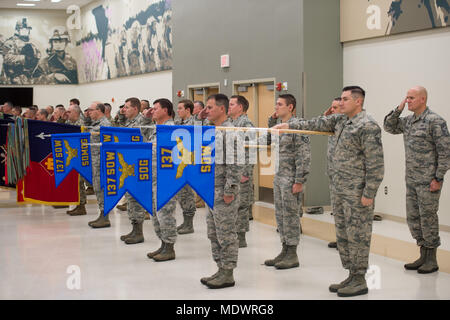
[333, 109]
[186, 196]
[221, 221]
[294, 158]
[136, 213]
[427, 155]
[358, 171]
[97, 114]
[164, 220]
[21, 56]
[74, 119]
[59, 67]
[237, 112]
[198, 107]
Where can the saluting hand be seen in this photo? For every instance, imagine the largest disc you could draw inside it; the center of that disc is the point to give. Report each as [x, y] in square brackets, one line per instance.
[402, 104]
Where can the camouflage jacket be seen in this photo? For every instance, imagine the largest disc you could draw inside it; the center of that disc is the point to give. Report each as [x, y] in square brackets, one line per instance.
[294, 156]
[152, 133]
[95, 133]
[79, 122]
[137, 122]
[188, 122]
[427, 144]
[228, 171]
[244, 122]
[357, 159]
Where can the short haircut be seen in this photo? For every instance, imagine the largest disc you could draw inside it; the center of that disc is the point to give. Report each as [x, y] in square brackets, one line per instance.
[34, 107]
[289, 98]
[221, 100]
[76, 108]
[60, 106]
[146, 102]
[32, 112]
[18, 108]
[242, 101]
[188, 104]
[200, 103]
[75, 101]
[43, 112]
[166, 104]
[134, 102]
[100, 106]
[356, 91]
[107, 106]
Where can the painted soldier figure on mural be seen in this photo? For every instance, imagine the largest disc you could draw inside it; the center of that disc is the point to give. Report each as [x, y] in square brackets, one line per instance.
[20, 55]
[59, 66]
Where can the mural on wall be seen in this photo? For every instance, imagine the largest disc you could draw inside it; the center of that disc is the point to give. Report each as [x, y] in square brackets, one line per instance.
[35, 58]
[375, 18]
[123, 38]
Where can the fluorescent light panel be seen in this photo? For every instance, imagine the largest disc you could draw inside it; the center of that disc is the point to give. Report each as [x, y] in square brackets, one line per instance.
[26, 4]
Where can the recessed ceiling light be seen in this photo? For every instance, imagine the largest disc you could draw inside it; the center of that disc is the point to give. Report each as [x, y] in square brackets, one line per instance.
[55, 1]
[32, 0]
[26, 4]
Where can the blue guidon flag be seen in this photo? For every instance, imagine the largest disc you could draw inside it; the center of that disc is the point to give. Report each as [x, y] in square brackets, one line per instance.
[71, 151]
[127, 167]
[185, 155]
[115, 135]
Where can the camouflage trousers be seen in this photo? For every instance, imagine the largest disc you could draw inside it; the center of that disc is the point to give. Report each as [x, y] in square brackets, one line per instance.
[288, 209]
[421, 214]
[82, 183]
[245, 203]
[136, 213]
[96, 185]
[164, 221]
[221, 229]
[353, 231]
[186, 198]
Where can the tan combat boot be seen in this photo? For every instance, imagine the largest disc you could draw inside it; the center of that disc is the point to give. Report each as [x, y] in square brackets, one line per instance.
[101, 222]
[419, 262]
[167, 253]
[430, 265]
[278, 258]
[136, 236]
[290, 259]
[150, 255]
[79, 210]
[188, 225]
[356, 287]
[336, 287]
[223, 280]
[204, 280]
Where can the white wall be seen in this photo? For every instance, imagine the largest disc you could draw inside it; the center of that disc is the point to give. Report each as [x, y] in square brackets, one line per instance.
[149, 86]
[54, 94]
[386, 68]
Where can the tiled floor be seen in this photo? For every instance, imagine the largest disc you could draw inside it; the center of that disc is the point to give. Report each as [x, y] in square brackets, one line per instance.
[45, 254]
